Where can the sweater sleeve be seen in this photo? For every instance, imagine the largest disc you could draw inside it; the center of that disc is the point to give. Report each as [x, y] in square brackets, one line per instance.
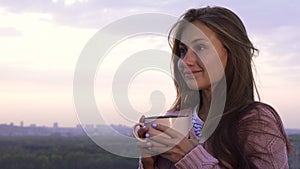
[265, 145]
[198, 158]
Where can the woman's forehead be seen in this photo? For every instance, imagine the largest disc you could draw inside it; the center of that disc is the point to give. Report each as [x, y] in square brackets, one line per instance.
[196, 31]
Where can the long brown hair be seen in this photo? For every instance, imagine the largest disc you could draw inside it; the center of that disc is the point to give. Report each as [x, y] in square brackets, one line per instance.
[229, 28]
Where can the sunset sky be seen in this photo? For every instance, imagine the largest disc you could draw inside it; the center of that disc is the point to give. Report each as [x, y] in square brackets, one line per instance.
[40, 42]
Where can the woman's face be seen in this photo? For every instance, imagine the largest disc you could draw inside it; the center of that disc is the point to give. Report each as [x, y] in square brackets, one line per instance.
[202, 56]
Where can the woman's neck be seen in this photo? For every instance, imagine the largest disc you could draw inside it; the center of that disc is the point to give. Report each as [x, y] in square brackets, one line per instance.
[206, 100]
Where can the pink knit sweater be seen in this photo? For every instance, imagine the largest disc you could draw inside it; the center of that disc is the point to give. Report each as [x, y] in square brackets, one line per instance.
[271, 145]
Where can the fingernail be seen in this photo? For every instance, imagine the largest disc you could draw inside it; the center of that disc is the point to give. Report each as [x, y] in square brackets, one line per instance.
[154, 125]
[147, 135]
[148, 144]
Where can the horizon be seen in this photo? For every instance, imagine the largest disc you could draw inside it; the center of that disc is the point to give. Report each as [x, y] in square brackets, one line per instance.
[76, 126]
[41, 43]
[55, 124]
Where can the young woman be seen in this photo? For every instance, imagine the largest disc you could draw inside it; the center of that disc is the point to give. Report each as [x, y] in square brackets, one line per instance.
[249, 134]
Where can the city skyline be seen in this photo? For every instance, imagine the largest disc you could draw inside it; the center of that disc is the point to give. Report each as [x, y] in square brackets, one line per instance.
[78, 130]
[40, 43]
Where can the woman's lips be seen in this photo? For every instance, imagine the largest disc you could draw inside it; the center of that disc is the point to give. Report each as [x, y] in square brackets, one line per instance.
[191, 74]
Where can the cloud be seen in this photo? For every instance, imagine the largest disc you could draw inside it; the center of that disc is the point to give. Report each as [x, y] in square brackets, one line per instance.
[18, 74]
[265, 15]
[279, 63]
[9, 32]
[92, 13]
[282, 46]
[260, 16]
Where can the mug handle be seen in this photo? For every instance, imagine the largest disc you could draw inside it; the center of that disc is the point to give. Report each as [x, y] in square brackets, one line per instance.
[135, 134]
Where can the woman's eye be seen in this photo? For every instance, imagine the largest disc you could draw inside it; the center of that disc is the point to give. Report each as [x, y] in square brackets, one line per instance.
[198, 48]
[182, 51]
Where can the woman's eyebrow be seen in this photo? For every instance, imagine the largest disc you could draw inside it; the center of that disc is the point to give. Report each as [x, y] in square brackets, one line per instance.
[198, 39]
[193, 41]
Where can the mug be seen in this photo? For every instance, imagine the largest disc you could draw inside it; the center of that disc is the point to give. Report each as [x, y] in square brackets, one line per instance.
[181, 123]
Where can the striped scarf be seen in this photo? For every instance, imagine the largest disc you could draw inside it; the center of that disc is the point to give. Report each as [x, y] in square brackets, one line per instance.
[197, 123]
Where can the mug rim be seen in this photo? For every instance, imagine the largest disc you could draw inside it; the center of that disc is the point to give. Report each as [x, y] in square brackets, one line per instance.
[167, 116]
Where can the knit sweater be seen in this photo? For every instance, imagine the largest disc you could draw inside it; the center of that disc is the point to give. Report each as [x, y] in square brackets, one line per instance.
[269, 140]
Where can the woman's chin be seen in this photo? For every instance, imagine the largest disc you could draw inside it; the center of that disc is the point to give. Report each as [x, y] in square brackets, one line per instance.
[193, 86]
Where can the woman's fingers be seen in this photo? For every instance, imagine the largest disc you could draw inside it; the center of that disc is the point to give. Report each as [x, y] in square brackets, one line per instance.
[171, 142]
[143, 129]
[150, 148]
[167, 130]
[145, 151]
[160, 150]
[153, 147]
[142, 119]
[149, 144]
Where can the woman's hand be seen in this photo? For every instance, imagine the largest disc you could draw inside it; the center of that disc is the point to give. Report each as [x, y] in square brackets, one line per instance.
[148, 157]
[173, 148]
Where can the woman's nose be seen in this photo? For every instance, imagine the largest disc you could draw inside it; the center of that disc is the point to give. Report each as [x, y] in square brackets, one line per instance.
[190, 57]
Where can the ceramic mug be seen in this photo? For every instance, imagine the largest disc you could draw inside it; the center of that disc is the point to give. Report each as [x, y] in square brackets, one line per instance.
[181, 123]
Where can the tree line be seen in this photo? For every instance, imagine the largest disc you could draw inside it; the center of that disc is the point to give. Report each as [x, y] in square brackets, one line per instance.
[57, 152]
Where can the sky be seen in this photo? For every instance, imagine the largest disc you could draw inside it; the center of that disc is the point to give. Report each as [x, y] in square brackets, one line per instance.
[41, 41]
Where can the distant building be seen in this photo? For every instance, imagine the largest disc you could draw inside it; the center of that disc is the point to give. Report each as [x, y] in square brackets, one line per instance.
[55, 125]
[55, 130]
[32, 125]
